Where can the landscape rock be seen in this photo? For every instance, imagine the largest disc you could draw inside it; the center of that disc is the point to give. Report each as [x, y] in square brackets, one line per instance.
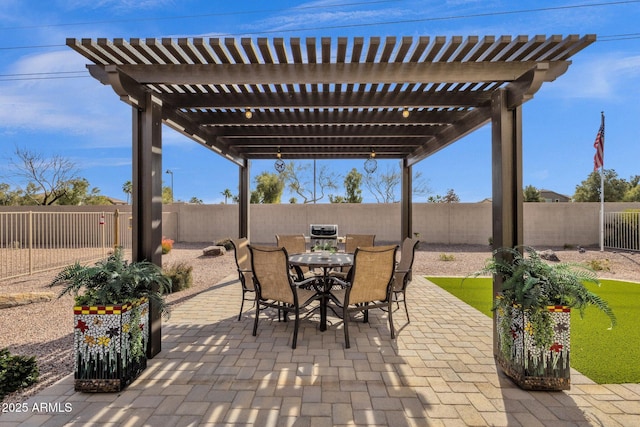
[549, 255]
[214, 251]
[23, 298]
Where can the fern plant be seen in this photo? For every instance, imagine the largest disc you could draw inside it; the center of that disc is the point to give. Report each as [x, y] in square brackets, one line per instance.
[114, 281]
[532, 284]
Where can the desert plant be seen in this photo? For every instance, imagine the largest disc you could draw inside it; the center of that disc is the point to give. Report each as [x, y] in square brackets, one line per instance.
[167, 245]
[447, 257]
[16, 372]
[114, 281]
[226, 243]
[599, 264]
[180, 274]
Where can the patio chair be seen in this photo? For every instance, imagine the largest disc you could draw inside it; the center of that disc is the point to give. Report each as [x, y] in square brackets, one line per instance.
[295, 244]
[243, 263]
[275, 287]
[370, 285]
[351, 243]
[402, 275]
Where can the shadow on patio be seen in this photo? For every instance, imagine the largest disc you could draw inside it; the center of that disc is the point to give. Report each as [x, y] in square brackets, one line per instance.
[439, 371]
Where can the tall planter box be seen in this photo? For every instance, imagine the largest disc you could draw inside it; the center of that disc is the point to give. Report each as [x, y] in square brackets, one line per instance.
[110, 345]
[531, 367]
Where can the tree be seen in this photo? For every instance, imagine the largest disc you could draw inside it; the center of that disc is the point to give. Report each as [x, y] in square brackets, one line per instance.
[633, 193]
[269, 188]
[383, 185]
[78, 193]
[9, 197]
[299, 179]
[450, 197]
[227, 195]
[589, 190]
[352, 184]
[127, 188]
[167, 195]
[194, 200]
[532, 194]
[49, 177]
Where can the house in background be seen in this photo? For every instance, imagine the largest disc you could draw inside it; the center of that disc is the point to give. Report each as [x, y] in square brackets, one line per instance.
[550, 196]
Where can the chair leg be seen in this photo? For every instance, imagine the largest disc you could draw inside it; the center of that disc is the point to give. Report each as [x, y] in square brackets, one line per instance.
[345, 321]
[255, 323]
[404, 300]
[393, 332]
[241, 306]
[295, 329]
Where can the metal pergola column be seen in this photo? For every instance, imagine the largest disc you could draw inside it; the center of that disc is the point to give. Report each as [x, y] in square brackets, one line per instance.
[506, 159]
[147, 199]
[406, 202]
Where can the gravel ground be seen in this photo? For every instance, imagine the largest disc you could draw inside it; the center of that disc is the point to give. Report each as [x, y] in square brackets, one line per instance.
[44, 329]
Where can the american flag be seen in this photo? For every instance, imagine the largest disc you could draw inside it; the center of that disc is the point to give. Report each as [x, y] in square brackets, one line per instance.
[598, 158]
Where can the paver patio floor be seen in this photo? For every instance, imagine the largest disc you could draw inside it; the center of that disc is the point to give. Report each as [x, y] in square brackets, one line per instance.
[438, 371]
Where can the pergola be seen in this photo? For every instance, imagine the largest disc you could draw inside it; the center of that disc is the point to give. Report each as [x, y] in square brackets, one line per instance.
[329, 98]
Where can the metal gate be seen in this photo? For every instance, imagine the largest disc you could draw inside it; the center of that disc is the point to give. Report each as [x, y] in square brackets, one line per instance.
[622, 230]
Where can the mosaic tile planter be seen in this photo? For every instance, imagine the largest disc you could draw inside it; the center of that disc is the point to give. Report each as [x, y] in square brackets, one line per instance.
[529, 366]
[110, 345]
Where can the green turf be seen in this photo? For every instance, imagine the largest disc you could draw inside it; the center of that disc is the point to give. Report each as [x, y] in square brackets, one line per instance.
[606, 356]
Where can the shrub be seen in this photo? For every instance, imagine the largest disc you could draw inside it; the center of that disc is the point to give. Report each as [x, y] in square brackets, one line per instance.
[181, 276]
[446, 257]
[599, 264]
[167, 245]
[16, 372]
[226, 243]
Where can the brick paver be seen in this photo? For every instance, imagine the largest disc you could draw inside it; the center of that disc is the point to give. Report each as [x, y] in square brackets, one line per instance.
[439, 371]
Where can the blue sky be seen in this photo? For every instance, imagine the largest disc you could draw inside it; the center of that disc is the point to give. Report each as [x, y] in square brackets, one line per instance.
[74, 116]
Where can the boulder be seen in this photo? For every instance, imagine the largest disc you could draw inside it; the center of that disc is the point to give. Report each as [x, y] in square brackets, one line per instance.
[549, 255]
[16, 299]
[214, 251]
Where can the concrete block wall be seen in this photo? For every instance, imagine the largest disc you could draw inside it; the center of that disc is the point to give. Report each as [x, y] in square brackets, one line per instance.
[545, 224]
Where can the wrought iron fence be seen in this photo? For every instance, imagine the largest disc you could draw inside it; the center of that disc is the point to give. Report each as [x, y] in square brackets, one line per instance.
[622, 230]
[32, 242]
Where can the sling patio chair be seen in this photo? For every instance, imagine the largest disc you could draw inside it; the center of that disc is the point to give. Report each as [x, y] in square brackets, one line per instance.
[275, 288]
[295, 244]
[370, 285]
[243, 263]
[402, 274]
[351, 243]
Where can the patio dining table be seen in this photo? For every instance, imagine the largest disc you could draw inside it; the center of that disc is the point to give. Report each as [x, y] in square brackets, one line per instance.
[326, 262]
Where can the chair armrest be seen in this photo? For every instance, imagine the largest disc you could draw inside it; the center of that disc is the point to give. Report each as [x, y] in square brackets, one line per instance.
[402, 271]
[305, 282]
[340, 282]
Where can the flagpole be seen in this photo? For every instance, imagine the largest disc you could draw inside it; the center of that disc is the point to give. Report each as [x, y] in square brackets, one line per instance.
[602, 209]
[602, 184]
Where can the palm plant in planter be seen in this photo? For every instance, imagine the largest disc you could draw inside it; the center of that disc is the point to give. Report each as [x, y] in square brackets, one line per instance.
[111, 318]
[533, 315]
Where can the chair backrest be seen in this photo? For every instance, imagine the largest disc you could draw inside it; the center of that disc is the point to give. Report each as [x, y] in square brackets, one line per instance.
[271, 273]
[353, 241]
[403, 269]
[294, 243]
[372, 273]
[243, 261]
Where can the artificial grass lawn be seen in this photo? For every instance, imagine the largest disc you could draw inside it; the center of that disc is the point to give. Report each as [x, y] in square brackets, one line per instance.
[605, 356]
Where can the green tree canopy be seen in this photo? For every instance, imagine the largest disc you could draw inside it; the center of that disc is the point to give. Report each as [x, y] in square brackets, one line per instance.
[450, 197]
[532, 194]
[352, 183]
[269, 188]
[614, 188]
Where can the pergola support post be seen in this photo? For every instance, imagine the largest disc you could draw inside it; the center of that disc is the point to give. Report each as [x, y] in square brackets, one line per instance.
[147, 199]
[506, 158]
[244, 200]
[406, 202]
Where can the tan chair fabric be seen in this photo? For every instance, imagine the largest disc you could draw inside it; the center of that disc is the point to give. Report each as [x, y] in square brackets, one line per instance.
[370, 286]
[274, 286]
[353, 241]
[293, 243]
[402, 275]
[245, 275]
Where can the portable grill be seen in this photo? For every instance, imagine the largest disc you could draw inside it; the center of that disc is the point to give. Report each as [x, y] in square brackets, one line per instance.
[323, 234]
